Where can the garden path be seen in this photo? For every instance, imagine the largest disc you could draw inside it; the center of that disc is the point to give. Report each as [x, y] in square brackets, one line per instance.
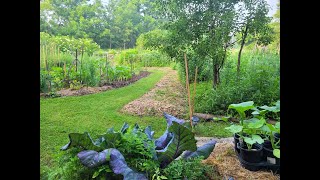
[168, 95]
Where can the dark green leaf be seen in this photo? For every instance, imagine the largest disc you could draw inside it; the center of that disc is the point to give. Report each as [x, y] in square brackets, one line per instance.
[183, 139]
[82, 140]
[204, 150]
[124, 128]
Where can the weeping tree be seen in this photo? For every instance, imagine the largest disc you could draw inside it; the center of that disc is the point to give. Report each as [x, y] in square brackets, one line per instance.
[252, 20]
[206, 26]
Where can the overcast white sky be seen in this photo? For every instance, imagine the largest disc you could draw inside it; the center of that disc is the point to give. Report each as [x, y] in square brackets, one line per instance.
[272, 3]
[273, 7]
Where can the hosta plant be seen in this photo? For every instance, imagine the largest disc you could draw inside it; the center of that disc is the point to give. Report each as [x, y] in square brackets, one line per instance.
[133, 152]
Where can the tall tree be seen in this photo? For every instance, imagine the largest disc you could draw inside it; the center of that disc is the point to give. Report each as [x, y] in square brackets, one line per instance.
[275, 24]
[206, 26]
[252, 19]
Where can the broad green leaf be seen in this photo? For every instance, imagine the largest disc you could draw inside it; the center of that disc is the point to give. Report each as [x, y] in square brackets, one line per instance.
[204, 150]
[82, 140]
[265, 128]
[257, 138]
[183, 139]
[276, 153]
[255, 113]
[272, 109]
[234, 128]
[271, 127]
[242, 107]
[256, 123]
[249, 140]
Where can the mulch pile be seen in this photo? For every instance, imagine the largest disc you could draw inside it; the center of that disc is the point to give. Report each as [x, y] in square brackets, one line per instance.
[226, 162]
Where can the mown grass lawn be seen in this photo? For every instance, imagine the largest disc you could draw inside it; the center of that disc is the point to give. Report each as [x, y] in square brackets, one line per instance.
[95, 113]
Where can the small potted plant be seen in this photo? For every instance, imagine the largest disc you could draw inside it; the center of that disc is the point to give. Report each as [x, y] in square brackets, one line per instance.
[251, 150]
[241, 108]
[272, 153]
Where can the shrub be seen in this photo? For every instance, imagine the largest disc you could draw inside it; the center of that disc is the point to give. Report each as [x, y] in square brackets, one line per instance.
[259, 82]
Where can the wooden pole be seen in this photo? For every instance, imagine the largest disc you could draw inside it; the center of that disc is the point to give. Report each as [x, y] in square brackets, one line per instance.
[188, 90]
[194, 89]
[81, 63]
[107, 77]
[76, 60]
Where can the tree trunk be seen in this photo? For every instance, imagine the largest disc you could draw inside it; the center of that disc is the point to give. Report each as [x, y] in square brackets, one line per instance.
[110, 42]
[244, 36]
[215, 75]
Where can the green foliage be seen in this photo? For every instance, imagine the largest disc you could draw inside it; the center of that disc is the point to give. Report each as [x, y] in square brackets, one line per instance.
[111, 24]
[70, 167]
[190, 169]
[153, 58]
[135, 149]
[141, 150]
[69, 44]
[259, 82]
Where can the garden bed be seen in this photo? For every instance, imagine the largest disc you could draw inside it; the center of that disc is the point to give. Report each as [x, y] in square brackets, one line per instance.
[104, 87]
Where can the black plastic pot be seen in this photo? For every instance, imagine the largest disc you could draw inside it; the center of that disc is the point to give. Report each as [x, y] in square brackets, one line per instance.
[277, 138]
[267, 144]
[255, 155]
[236, 141]
[269, 157]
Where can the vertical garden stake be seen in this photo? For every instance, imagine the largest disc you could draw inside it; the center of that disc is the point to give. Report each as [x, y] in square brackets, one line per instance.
[81, 63]
[76, 59]
[188, 90]
[194, 89]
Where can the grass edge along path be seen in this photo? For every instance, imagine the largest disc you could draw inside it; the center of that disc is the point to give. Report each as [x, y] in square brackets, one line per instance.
[94, 113]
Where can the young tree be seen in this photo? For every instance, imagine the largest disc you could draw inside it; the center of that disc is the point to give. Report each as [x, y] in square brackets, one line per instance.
[252, 19]
[206, 26]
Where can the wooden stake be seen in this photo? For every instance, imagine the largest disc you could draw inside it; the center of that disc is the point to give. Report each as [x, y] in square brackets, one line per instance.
[194, 89]
[188, 90]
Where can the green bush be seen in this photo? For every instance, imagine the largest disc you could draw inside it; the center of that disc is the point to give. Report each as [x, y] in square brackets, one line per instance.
[153, 58]
[190, 169]
[259, 82]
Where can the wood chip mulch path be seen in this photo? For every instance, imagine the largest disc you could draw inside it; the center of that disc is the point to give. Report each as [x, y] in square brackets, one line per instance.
[168, 95]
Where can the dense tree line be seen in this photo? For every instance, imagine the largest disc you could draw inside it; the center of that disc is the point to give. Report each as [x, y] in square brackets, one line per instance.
[111, 24]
